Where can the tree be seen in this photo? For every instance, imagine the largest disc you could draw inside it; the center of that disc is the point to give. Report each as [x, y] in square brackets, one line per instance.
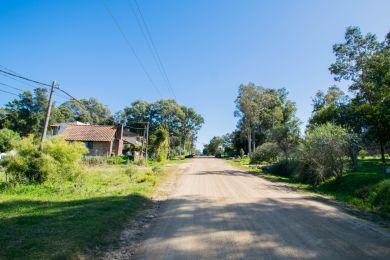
[365, 62]
[86, 110]
[7, 138]
[323, 151]
[160, 143]
[189, 126]
[258, 110]
[286, 133]
[214, 146]
[181, 122]
[25, 115]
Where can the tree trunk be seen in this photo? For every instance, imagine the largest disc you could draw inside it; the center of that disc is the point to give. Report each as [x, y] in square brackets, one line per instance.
[249, 141]
[383, 153]
[254, 140]
[353, 151]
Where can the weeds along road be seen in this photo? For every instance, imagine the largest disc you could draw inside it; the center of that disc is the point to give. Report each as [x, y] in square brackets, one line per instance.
[218, 212]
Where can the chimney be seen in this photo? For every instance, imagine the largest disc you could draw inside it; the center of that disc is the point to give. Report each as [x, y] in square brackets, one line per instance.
[119, 132]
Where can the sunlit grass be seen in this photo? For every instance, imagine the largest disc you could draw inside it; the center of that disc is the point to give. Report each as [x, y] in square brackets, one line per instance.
[64, 220]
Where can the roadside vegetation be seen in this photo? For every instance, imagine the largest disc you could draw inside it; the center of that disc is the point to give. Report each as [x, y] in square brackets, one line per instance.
[57, 203]
[344, 149]
[54, 205]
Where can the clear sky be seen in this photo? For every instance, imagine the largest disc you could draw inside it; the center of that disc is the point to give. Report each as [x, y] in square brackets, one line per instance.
[208, 48]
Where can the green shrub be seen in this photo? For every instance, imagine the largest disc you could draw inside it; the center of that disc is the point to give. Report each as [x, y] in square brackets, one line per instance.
[7, 138]
[140, 162]
[116, 160]
[323, 152]
[242, 152]
[362, 154]
[381, 197]
[266, 152]
[131, 170]
[285, 168]
[57, 162]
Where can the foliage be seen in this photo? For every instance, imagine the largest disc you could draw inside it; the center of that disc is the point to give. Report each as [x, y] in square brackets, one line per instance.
[242, 152]
[86, 110]
[363, 154]
[285, 168]
[7, 138]
[366, 63]
[286, 131]
[266, 152]
[160, 141]
[44, 221]
[323, 152]
[181, 122]
[56, 163]
[26, 114]
[214, 146]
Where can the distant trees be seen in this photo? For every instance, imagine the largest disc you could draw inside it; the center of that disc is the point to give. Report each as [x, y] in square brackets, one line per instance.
[214, 146]
[25, 114]
[180, 122]
[265, 115]
[86, 110]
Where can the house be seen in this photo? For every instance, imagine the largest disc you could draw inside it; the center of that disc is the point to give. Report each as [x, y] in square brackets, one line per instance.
[101, 140]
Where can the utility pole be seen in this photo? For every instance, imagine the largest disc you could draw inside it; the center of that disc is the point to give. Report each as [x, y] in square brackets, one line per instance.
[147, 141]
[48, 111]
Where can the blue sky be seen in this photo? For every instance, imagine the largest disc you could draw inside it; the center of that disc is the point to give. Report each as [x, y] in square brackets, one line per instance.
[208, 49]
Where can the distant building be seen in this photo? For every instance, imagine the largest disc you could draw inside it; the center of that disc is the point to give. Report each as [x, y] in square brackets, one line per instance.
[101, 140]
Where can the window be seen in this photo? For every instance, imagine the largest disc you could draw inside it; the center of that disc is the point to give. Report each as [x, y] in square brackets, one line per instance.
[89, 144]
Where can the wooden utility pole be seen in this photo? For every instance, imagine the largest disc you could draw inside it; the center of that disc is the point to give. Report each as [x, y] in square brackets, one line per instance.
[48, 111]
[147, 141]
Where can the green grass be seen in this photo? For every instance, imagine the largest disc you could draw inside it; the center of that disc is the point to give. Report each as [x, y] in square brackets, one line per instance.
[368, 188]
[364, 188]
[72, 219]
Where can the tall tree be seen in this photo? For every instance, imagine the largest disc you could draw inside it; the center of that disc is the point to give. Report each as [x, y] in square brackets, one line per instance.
[25, 115]
[86, 110]
[366, 63]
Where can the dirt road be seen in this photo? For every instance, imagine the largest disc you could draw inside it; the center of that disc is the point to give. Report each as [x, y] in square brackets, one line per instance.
[218, 212]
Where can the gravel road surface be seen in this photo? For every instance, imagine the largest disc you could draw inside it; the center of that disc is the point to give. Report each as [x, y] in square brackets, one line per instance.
[218, 212]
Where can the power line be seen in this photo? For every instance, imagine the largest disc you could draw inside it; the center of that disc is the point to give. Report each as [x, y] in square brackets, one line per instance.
[15, 88]
[5, 91]
[131, 48]
[152, 47]
[21, 77]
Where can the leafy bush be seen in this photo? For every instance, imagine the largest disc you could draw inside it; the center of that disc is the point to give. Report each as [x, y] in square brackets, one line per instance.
[242, 153]
[323, 152]
[131, 170]
[266, 152]
[7, 138]
[285, 168]
[381, 197]
[362, 154]
[57, 162]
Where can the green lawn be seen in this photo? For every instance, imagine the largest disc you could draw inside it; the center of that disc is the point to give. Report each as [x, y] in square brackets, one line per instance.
[65, 221]
[368, 188]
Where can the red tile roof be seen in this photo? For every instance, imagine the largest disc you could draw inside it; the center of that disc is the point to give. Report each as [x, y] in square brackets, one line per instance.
[89, 133]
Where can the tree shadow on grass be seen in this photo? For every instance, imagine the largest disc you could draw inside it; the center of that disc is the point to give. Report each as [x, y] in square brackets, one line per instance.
[47, 229]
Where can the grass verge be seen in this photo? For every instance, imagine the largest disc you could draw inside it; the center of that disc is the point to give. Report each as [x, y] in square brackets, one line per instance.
[72, 219]
[367, 189]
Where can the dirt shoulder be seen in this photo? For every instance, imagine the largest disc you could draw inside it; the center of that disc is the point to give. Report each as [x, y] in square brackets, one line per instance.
[132, 234]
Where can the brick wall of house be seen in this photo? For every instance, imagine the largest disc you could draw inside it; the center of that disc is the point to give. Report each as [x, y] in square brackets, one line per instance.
[117, 146]
[101, 149]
